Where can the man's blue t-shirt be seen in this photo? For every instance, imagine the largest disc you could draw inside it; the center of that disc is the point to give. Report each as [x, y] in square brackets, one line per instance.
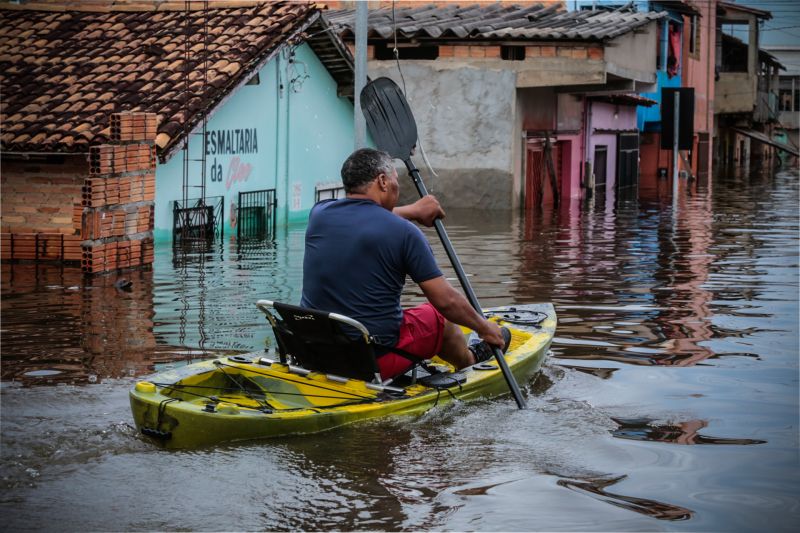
[357, 256]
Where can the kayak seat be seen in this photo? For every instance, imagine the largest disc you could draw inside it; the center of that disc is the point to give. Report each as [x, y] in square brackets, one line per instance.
[324, 342]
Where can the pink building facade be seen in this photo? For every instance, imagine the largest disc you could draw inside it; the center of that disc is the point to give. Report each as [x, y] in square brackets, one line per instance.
[608, 123]
[593, 145]
[699, 44]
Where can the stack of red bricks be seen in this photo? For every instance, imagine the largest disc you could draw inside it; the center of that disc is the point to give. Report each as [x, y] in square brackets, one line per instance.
[117, 200]
[116, 222]
[107, 158]
[41, 246]
[103, 191]
[109, 254]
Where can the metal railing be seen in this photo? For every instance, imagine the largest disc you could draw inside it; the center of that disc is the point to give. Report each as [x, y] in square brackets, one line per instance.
[329, 191]
[256, 215]
[197, 222]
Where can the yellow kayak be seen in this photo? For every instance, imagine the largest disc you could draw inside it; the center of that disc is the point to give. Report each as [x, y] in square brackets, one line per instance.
[253, 396]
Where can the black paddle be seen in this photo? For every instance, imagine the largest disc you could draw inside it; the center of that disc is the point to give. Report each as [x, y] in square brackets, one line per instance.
[394, 130]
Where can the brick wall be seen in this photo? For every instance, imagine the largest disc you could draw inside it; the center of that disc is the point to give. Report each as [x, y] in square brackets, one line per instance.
[593, 52]
[98, 212]
[39, 197]
[41, 208]
[491, 52]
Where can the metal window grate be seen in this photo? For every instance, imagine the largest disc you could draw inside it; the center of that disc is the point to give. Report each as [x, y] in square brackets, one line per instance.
[256, 215]
[332, 191]
[627, 160]
[198, 222]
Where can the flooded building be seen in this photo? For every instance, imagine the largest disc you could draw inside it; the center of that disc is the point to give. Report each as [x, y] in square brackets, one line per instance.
[500, 92]
[614, 142]
[746, 92]
[787, 130]
[685, 44]
[125, 124]
[684, 48]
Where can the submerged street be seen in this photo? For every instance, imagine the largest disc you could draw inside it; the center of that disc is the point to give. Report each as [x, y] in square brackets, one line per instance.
[669, 402]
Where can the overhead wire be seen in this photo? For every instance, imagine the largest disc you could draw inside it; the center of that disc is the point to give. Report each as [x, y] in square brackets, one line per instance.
[396, 54]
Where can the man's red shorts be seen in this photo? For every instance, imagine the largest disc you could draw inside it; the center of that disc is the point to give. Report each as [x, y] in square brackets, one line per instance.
[421, 334]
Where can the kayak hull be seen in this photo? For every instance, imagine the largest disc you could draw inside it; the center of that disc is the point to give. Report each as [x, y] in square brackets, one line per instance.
[250, 397]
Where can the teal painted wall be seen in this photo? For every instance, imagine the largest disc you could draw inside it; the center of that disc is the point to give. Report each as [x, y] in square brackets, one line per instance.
[294, 132]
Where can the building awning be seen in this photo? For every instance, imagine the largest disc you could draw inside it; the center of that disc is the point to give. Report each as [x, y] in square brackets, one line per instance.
[624, 99]
[738, 8]
[757, 135]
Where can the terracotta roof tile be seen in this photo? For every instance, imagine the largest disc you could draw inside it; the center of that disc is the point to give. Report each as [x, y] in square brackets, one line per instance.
[64, 71]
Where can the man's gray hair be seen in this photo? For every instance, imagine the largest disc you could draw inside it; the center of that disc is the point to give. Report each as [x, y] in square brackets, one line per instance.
[363, 166]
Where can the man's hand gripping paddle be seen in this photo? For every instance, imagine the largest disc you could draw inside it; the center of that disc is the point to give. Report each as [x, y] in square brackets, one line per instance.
[392, 126]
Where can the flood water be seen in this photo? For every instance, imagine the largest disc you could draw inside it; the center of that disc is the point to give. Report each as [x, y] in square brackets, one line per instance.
[670, 400]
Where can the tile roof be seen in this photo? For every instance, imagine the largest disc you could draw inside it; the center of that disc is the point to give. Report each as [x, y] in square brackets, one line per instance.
[63, 73]
[495, 22]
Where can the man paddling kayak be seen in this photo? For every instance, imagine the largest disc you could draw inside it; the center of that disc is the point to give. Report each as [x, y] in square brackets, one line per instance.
[358, 252]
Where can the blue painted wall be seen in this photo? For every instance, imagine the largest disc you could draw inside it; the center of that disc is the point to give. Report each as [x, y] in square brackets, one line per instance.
[649, 118]
[290, 132]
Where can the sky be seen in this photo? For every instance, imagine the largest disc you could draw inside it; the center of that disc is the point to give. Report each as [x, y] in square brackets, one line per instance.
[783, 29]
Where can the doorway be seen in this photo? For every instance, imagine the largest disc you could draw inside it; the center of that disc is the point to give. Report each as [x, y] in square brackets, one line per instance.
[600, 169]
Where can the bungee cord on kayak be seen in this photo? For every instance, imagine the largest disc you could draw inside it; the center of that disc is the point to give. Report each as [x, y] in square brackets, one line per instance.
[247, 393]
[520, 317]
[183, 389]
[452, 382]
[290, 380]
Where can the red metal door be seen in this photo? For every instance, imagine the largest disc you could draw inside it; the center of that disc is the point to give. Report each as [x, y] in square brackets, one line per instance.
[534, 174]
[538, 183]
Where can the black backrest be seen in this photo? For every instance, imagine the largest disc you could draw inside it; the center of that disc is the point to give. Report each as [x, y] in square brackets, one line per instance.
[318, 342]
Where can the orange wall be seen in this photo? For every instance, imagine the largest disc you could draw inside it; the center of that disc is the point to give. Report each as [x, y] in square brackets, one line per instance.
[698, 71]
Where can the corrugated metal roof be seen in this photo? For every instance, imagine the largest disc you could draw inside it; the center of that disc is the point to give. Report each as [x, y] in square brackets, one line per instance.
[495, 22]
[730, 6]
[684, 7]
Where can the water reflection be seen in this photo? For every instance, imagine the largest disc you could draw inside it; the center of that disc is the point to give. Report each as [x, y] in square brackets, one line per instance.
[656, 509]
[602, 373]
[59, 326]
[633, 283]
[686, 432]
[672, 330]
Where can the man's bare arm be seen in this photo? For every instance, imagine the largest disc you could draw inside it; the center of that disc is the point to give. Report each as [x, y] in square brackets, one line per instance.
[425, 211]
[455, 308]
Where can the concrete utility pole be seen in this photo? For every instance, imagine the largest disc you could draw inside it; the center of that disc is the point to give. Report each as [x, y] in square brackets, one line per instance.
[361, 73]
[675, 136]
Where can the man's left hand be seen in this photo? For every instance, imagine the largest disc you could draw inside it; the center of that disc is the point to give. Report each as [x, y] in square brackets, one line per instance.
[424, 211]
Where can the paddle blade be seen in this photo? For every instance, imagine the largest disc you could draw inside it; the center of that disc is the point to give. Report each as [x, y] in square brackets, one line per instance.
[389, 119]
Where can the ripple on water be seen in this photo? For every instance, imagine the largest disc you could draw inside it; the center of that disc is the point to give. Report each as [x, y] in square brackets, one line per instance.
[665, 287]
